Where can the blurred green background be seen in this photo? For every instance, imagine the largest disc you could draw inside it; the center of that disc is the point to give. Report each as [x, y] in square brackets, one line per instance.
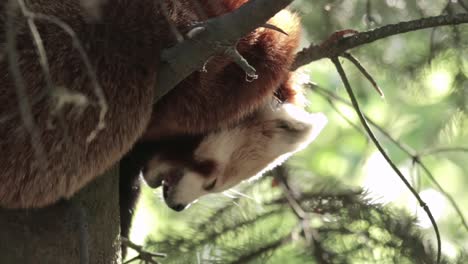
[424, 77]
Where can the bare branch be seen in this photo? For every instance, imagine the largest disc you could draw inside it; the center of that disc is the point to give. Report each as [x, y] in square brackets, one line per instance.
[53, 91]
[317, 52]
[463, 5]
[407, 150]
[219, 34]
[21, 94]
[370, 20]
[98, 91]
[443, 149]
[363, 70]
[363, 120]
[250, 71]
[145, 256]
[70, 97]
[304, 218]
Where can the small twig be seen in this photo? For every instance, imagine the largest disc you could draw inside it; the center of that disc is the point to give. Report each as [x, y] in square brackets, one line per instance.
[320, 253]
[432, 46]
[145, 256]
[132, 260]
[301, 214]
[363, 70]
[463, 5]
[98, 91]
[350, 92]
[408, 150]
[52, 89]
[417, 182]
[266, 248]
[434, 151]
[370, 20]
[294, 204]
[20, 85]
[335, 107]
[442, 190]
[39, 45]
[251, 73]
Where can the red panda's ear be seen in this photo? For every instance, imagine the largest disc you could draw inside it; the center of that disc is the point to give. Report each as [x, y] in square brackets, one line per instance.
[286, 92]
[291, 91]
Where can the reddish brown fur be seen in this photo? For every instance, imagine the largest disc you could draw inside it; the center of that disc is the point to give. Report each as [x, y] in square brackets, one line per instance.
[124, 49]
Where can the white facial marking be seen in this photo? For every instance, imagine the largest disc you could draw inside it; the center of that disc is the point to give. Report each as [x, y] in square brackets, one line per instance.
[187, 191]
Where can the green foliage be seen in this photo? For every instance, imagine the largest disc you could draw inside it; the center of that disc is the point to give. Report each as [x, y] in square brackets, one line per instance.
[345, 227]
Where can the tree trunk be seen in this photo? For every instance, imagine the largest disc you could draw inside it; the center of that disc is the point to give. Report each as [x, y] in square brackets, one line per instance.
[82, 230]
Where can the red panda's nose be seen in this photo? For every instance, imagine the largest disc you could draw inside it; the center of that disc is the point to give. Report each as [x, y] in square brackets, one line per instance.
[178, 207]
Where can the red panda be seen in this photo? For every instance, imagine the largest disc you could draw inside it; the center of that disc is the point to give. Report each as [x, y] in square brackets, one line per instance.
[190, 166]
[222, 159]
[214, 129]
[224, 99]
[123, 46]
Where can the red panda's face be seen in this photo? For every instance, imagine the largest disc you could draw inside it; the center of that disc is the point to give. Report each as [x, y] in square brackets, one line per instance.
[225, 158]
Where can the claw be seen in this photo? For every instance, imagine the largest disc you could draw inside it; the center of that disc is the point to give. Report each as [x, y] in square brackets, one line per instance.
[275, 28]
[338, 35]
[195, 31]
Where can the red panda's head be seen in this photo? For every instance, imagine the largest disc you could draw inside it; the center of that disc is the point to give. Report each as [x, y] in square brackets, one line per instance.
[223, 159]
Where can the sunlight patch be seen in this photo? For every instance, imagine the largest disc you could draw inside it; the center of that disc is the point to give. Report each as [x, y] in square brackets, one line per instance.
[439, 83]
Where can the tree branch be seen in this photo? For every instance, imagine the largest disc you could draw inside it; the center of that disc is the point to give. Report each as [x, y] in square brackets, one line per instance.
[369, 132]
[219, 34]
[317, 52]
[408, 150]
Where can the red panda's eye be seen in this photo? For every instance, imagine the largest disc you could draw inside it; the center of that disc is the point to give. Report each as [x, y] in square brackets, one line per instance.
[210, 186]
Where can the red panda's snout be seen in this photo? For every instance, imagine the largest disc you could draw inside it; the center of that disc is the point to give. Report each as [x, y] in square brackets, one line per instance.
[183, 180]
[181, 185]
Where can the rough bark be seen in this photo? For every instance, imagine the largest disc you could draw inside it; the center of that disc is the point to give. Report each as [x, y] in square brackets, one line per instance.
[82, 230]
